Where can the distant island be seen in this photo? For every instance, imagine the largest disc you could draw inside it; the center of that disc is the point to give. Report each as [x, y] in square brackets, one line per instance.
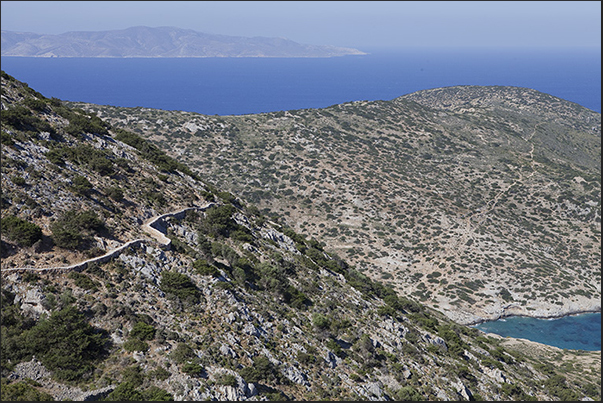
[158, 42]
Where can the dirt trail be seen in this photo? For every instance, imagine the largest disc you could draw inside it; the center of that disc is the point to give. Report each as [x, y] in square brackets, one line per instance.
[155, 227]
[456, 245]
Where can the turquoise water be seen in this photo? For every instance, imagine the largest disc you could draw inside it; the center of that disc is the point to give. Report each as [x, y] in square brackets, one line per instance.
[579, 332]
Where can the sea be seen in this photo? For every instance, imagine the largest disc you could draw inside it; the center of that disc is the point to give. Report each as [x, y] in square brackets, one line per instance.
[577, 332]
[239, 86]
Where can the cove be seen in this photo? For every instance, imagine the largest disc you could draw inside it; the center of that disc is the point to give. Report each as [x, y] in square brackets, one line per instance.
[576, 332]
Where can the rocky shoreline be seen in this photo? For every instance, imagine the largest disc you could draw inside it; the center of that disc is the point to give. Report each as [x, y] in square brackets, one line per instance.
[543, 311]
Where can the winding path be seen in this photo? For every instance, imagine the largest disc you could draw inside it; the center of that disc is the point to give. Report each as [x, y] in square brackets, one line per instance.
[156, 227]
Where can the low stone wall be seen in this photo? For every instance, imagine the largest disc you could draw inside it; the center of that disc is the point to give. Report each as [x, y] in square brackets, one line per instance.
[158, 224]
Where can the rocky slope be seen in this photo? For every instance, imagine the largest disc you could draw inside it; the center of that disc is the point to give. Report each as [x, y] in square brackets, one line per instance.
[237, 306]
[481, 202]
[158, 42]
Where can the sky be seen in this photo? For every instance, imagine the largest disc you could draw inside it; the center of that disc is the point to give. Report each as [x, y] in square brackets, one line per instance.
[357, 24]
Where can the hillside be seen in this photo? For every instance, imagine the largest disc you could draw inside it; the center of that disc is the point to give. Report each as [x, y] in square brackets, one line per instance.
[158, 42]
[233, 305]
[480, 202]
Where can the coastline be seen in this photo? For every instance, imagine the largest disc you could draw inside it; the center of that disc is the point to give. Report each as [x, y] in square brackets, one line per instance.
[542, 311]
[577, 313]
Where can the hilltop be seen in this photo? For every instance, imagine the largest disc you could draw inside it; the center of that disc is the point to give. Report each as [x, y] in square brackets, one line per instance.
[158, 42]
[480, 202]
[220, 301]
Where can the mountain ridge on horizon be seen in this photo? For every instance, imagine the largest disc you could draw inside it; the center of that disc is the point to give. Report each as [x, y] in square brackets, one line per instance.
[143, 41]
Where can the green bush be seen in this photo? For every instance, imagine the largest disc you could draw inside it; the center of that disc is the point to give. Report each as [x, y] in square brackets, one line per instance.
[20, 231]
[73, 229]
[153, 153]
[320, 321]
[227, 380]
[135, 344]
[218, 221]
[296, 298]
[408, 394]
[81, 185]
[21, 118]
[124, 392]
[66, 344]
[515, 393]
[142, 331]
[203, 268]
[179, 285]
[133, 375]
[192, 369]
[35, 104]
[18, 180]
[183, 353]
[155, 394]
[261, 370]
[160, 373]
[83, 281]
[22, 391]
[115, 193]
[81, 123]
[6, 139]
[558, 387]
[456, 347]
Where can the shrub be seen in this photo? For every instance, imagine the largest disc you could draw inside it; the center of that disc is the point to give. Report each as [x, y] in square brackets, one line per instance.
[456, 347]
[125, 391]
[179, 285]
[305, 358]
[35, 104]
[296, 298]
[320, 321]
[133, 375]
[20, 231]
[73, 229]
[18, 180]
[408, 394]
[262, 369]
[81, 123]
[160, 373]
[153, 153]
[134, 344]
[183, 353]
[21, 118]
[142, 331]
[227, 380]
[81, 185]
[155, 394]
[203, 268]
[6, 139]
[192, 369]
[218, 221]
[22, 391]
[66, 343]
[83, 281]
[115, 193]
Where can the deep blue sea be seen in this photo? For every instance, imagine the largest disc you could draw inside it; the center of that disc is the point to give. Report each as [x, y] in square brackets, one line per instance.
[235, 86]
[579, 332]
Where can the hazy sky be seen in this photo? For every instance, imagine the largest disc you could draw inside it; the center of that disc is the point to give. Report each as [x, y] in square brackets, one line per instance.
[359, 24]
